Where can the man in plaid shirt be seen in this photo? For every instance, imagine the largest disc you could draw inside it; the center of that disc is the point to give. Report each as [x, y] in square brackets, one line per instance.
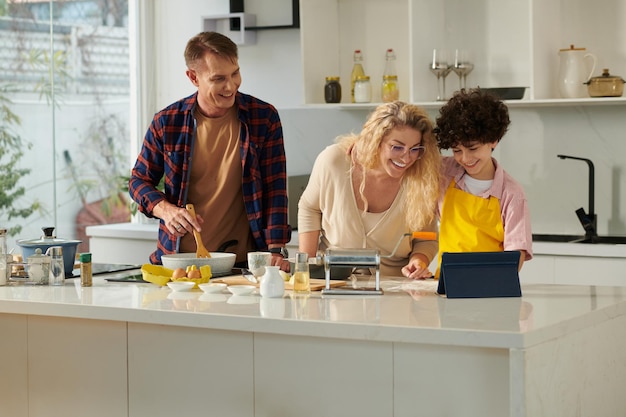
[220, 150]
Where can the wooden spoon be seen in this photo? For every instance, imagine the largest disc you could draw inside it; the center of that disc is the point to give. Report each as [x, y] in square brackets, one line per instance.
[201, 251]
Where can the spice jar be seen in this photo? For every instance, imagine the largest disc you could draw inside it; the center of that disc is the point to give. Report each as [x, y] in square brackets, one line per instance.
[362, 89]
[332, 90]
[85, 269]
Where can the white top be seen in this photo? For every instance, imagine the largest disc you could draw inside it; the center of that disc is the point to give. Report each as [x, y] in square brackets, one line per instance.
[409, 311]
[328, 204]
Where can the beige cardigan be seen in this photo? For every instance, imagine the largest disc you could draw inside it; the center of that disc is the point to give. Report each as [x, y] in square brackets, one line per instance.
[328, 204]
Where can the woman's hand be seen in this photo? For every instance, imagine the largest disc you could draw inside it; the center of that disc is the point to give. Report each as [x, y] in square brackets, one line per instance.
[417, 268]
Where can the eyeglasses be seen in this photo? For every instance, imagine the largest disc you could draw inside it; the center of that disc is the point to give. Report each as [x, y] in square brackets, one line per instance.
[415, 152]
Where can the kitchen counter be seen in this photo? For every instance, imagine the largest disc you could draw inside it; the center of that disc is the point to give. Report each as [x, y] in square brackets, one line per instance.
[556, 351]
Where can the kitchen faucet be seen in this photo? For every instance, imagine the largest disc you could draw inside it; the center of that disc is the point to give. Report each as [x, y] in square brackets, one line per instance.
[588, 220]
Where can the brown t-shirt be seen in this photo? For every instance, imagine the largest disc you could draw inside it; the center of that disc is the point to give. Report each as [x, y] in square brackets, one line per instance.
[215, 186]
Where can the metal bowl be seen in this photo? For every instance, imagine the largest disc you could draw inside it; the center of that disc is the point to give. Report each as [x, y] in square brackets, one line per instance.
[220, 262]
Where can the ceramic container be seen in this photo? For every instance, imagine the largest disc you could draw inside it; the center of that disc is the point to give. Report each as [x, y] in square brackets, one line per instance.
[272, 283]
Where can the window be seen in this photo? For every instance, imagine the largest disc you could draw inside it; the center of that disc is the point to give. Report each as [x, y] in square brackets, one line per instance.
[64, 78]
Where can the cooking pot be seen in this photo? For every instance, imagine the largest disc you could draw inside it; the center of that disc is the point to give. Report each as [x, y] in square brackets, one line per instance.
[606, 85]
[29, 246]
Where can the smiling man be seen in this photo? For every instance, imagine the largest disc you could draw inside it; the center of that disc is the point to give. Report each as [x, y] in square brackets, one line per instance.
[220, 150]
[482, 208]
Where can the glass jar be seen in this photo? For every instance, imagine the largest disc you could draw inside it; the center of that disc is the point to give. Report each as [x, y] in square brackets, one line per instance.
[389, 91]
[85, 269]
[362, 89]
[332, 90]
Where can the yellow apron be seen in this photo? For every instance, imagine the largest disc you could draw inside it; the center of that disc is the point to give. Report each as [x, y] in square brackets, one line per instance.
[469, 223]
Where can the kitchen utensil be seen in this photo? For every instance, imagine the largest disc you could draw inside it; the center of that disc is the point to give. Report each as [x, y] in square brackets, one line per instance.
[212, 287]
[201, 251]
[38, 268]
[181, 285]
[247, 274]
[48, 240]
[241, 289]
[507, 93]
[573, 71]
[301, 274]
[257, 261]
[221, 262]
[317, 284]
[606, 85]
[360, 258]
[272, 283]
[57, 271]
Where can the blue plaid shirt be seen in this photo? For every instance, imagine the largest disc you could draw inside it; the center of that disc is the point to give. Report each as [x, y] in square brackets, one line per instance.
[167, 151]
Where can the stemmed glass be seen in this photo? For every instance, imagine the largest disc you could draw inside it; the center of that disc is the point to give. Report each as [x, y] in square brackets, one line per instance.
[441, 68]
[462, 66]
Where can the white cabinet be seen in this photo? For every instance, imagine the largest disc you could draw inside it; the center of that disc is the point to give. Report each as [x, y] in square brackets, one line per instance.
[512, 42]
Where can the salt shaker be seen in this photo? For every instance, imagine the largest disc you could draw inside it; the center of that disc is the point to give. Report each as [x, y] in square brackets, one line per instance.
[57, 268]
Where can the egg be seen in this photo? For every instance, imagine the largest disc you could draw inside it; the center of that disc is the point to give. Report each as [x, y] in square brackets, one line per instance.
[194, 273]
[179, 273]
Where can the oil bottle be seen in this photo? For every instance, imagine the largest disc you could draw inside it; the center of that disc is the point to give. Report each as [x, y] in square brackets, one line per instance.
[389, 88]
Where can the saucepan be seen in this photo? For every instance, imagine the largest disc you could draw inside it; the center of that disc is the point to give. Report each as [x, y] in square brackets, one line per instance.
[606, 85]
[29, 246]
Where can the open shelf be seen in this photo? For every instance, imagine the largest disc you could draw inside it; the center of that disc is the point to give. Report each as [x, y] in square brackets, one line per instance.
[511, 42]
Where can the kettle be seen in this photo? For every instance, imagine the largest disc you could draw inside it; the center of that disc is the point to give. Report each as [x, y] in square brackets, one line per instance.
[573, 72]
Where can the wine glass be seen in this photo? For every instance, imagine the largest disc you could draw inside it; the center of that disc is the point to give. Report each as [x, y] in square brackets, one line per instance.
[462, 66]
[441, 68]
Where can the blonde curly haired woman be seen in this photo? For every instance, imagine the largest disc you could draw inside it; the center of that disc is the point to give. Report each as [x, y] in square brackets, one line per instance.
[369, 189]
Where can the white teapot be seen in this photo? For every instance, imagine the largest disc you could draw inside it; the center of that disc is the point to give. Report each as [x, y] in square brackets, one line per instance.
[573, 72]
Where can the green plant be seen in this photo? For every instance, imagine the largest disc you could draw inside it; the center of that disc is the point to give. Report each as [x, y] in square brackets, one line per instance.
[11, 152]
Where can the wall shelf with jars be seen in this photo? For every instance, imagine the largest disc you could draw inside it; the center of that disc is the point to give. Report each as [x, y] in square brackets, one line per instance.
[509, 43]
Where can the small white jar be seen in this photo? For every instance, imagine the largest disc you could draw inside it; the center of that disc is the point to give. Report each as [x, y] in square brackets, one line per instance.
[362, 89]
[272, 283]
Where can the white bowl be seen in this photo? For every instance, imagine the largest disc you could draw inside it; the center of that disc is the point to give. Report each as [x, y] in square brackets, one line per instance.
[221, 262]
[181, 285]
[241, 289]
[212, 287]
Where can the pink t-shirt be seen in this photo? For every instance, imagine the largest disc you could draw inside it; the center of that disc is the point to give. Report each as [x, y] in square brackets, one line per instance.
[513, 203]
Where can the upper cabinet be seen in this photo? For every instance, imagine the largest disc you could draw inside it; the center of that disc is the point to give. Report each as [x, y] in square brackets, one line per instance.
[510, 42]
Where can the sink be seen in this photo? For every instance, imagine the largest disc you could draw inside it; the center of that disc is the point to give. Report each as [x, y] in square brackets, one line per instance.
[609, 240]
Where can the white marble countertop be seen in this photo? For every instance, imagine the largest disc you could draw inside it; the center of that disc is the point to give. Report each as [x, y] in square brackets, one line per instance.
[409, 311]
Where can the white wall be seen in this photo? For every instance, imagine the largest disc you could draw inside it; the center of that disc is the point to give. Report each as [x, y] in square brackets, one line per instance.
[555, 188]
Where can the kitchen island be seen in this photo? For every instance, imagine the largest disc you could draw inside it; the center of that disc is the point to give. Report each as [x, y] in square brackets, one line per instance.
[128, 349]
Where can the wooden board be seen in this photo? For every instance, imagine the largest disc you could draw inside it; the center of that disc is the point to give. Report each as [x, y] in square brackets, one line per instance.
[316, 283]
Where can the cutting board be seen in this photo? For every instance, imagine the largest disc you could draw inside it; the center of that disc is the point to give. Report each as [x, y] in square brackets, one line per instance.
[316, 283]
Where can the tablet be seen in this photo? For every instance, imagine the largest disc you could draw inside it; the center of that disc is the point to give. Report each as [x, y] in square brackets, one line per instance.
[479, 274]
